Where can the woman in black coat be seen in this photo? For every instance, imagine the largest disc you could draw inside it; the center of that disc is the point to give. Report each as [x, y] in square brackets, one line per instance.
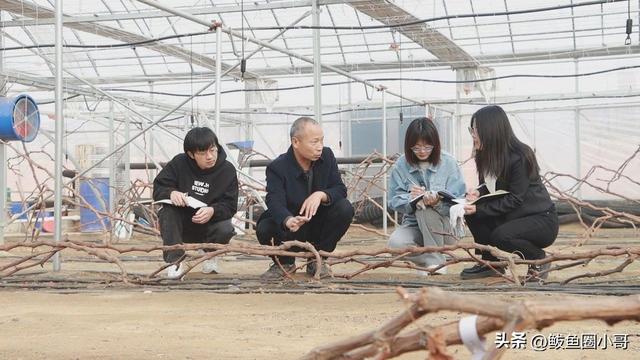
[524, 221]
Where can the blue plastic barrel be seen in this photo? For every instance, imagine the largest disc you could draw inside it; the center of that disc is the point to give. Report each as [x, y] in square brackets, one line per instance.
[16, 207]
[96, 193]
[14, 128]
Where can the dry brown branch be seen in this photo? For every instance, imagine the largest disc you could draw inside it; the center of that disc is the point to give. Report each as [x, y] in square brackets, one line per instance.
[367, 260]
[363, 182]
[494, 314]
[375, 203]
[617, 269]
[23, 263]
[106, 251]
[608, 214]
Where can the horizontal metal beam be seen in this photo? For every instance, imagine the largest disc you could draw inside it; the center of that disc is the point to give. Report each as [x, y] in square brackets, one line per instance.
[151, 14]
[492, 60]
[29, 9]
[251, 163]
[422, 34]
[14, 76]
[559, 98]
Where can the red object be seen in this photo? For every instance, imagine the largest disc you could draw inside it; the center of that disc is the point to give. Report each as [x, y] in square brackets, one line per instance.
[48, 226]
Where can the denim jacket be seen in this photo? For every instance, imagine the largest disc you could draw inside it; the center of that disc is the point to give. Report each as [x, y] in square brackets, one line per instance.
[446, 175]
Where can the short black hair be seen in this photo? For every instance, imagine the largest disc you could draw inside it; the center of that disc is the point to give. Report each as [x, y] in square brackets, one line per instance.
[422, 129]
[200, 139]
[299, 124]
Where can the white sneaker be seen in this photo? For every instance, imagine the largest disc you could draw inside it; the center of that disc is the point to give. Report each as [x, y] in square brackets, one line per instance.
[210, 266]
[423, 273]
[441, 271]
[175, 272]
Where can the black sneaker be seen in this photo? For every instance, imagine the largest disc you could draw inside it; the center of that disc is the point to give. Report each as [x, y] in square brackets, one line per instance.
[275, 272]
[538, 273]
[479, 271]
[324, 270]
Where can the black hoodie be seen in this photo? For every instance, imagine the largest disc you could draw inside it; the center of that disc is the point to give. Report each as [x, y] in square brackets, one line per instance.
[216, 187]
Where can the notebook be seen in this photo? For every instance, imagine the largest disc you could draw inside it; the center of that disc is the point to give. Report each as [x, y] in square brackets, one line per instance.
[450, 198]
[191, 202]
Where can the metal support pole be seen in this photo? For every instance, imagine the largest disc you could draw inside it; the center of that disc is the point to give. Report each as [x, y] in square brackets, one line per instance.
[3, 186]
[218, 77]
[59, 118]
[112, 160]
[3, 151]
[577, 131]
[317, 64]
[384, 164]
[458, 127]
[349, 133]
[349, 123]
[126, 154]
[248, 129]
[152, 139]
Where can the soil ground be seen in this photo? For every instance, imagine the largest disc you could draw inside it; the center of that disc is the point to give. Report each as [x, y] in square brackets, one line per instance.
[84, 312]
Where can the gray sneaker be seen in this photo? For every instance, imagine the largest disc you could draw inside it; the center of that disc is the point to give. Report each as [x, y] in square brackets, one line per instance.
[324, 270]
[538, 273]
[275, 272]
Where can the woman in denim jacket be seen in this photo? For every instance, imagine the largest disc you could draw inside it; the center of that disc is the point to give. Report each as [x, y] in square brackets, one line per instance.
[423, 168]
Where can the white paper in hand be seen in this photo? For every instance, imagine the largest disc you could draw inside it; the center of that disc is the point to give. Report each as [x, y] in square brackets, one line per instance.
[191, 202]
[195, 203]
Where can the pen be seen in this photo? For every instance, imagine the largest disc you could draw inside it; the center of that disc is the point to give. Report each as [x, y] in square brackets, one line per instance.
[477, 188]
[414, 183]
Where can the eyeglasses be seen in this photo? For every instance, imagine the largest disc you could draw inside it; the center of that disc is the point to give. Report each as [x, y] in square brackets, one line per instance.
[419, 148]
[213, 151]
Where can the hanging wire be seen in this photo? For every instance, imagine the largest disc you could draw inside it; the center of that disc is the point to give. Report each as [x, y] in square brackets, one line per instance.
[627, 41]
[243, 62]
[401, 115]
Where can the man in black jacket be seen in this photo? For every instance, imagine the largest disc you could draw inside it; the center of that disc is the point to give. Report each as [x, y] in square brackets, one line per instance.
[202, 173]
[306, 199]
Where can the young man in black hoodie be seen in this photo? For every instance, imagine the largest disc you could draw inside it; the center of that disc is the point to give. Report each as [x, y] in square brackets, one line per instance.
[203, 173]
[306, 199]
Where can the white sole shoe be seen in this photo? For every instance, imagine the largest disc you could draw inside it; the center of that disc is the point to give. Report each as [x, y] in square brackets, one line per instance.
[175, 272]
[210, 266]
[441, 271]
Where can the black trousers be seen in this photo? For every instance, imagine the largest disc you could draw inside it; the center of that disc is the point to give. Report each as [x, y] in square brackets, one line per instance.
[176, 227]
[525, 236]
[324, 230]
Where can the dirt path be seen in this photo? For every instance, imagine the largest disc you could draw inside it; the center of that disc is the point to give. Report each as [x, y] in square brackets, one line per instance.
[90, 317]
[200, 325]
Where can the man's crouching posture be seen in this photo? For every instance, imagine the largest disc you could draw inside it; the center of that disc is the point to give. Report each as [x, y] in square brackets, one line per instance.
[306, 199]
[202, 173]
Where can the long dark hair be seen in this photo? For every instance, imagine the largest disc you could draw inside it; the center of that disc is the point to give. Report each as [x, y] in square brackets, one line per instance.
[497, 142]
[422, 129]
